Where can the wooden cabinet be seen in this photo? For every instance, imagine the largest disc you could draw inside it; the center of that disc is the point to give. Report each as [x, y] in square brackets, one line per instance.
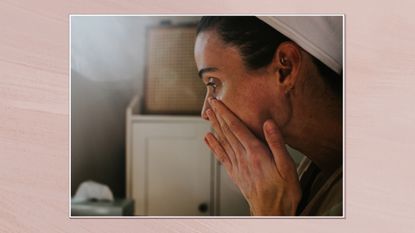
[171, 172]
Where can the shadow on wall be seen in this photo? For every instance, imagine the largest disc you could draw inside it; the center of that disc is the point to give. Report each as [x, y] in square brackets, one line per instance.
[98, 132]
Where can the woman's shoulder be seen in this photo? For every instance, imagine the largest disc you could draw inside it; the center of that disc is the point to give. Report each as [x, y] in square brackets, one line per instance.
[328, 198]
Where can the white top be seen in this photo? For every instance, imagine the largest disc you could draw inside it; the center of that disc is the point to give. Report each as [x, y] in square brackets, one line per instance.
[321, 36]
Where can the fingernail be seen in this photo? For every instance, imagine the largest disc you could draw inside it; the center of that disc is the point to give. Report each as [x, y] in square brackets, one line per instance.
[209, 113]
[212, 101]
[269, 126]
[206, 140]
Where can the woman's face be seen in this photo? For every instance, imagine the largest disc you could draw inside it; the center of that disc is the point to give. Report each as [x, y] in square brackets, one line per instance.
[252, 96]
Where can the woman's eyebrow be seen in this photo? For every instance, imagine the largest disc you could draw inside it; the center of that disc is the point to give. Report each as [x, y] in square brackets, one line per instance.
[207, 69]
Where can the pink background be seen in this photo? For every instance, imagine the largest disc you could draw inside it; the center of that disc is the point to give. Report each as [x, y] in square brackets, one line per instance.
[34, 117]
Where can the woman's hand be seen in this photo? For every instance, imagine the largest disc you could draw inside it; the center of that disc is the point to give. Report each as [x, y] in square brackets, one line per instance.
[266, 175]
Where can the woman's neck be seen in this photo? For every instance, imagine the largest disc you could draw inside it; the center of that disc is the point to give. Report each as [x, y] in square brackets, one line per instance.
[317, 131]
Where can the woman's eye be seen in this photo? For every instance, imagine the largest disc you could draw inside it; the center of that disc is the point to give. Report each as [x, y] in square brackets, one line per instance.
[211, 83]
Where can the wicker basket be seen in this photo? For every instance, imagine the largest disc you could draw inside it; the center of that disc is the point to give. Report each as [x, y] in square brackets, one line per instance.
[172, 85]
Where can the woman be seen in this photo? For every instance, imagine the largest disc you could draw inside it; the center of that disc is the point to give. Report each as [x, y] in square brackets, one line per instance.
[264, 91]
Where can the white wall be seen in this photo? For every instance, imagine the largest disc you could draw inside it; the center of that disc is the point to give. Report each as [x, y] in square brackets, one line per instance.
[107, 67]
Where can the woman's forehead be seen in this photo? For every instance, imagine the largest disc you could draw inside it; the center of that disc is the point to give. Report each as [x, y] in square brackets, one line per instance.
[211, 51]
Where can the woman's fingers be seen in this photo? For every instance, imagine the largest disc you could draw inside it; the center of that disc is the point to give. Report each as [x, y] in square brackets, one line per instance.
[283, 160]
[230, 137]
[218, 151]
[221, 137]
[241, 132]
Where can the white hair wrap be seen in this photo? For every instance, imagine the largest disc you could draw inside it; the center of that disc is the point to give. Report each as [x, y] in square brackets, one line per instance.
[321, 36]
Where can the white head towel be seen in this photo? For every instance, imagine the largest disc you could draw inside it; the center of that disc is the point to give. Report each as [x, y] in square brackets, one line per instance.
[321, 36]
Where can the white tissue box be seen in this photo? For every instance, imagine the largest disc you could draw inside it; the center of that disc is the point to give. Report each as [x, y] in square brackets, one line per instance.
[118, 207]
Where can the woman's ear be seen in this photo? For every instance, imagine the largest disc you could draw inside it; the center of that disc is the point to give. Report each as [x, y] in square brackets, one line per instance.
[287, 62]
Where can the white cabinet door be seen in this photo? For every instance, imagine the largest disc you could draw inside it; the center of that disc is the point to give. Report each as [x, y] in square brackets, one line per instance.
[171, 169]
